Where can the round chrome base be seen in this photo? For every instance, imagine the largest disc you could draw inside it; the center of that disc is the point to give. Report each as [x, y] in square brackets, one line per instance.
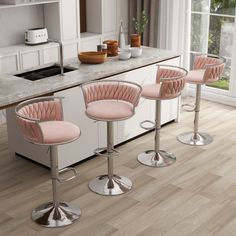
[200, 139]
[160, 159]
[103, 186]
[49, 215]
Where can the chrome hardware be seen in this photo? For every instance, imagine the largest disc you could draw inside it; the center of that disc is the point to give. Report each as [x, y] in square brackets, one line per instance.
[110, 184]
[99, 152]
[195, 138]
[190, 109]
[146, 122]
[157, 157]
[61, 53]
[62, 180]
[55, 213]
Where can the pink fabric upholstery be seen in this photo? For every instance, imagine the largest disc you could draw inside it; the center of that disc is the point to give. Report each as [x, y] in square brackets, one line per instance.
[195, 76]
[201, 61]
[41, 122]
[109, 110]
[46, 110]
[151, 91]
[206, 70]
[56, 132]
[213, 73]
[111, 91]
[165, 73]
[169, 84]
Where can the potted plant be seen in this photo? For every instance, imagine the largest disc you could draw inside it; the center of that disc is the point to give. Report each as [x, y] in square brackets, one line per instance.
[139, 25]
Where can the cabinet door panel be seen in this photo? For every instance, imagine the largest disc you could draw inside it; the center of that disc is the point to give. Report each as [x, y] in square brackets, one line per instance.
[70, 50]
[131, 127]
[50, 55]
[74, 111]
[9, 63]
[30, 59]
[69, 19]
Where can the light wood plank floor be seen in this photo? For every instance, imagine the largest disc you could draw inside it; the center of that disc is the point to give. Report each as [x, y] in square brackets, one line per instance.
[196, 196]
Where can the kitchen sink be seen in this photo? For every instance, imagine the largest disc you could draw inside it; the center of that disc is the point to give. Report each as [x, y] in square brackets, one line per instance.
[44, 72]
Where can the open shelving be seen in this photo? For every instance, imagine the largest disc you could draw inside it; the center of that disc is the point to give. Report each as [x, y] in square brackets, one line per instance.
[31, 3]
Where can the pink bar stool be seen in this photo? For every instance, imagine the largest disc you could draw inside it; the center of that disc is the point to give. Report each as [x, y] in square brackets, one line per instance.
[110, 101]
[207, 69]
[170, 81]
[41, 122]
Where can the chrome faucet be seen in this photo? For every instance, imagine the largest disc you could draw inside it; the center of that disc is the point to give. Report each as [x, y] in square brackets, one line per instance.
[61, 53]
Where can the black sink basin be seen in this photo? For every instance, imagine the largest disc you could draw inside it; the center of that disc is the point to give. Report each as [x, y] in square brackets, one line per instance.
[43, 73]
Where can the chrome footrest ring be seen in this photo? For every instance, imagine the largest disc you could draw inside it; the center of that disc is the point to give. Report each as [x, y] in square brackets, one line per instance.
[188, 107]
[147, 122]
[98, 151]
[62, 180]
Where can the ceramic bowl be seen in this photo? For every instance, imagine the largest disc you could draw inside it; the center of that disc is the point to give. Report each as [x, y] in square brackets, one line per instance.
[136, 51]
[124, 54]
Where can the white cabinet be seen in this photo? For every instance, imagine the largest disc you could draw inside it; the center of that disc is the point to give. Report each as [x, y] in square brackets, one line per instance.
[69, 19]
[130, 128]
[74, 111]
[50, 55]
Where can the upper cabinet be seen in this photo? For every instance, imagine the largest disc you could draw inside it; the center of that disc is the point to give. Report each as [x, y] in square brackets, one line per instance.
[101, 19]
[79, 24]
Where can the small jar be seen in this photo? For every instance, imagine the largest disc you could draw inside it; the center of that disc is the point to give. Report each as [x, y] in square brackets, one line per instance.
[112, 47]
[104, 48]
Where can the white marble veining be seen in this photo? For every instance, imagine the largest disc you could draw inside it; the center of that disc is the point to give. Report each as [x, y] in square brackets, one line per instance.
[14, 89]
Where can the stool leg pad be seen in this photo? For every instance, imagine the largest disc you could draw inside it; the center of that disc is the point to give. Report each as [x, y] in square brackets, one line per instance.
[200, 139]
[120, 185]
[159, 159]
[52, 216]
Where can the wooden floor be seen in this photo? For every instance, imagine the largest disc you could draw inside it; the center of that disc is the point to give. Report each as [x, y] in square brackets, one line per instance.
[196, 196]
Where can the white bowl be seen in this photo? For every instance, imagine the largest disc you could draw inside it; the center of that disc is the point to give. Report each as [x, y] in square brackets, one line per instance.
[124, 54]
[136, 51]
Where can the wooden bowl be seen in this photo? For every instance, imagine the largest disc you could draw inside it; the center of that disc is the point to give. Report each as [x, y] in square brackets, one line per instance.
[92, 57]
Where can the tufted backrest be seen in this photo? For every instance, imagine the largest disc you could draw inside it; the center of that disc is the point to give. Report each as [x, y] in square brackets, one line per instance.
[111, 90]
[172, 81]
[201, 61]
[29, 113]
[213, 66]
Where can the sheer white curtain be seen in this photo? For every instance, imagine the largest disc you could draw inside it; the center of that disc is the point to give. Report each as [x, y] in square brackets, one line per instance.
[174, 27]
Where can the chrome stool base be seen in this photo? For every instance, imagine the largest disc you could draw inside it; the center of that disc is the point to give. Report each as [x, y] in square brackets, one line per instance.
[52, 216]
[160, 159]
[200, 139]
[120, 185]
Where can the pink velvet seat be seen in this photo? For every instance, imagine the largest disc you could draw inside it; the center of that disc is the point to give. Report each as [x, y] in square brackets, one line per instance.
[109, 110]
[109, 101]
[41, 122]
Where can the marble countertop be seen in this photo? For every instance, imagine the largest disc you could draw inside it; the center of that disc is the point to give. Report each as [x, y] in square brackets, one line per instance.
[15, 89]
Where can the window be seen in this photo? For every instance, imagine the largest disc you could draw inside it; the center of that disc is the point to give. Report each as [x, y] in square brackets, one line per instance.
[212, 31]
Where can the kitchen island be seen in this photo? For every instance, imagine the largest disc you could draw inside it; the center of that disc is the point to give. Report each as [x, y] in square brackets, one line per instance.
[141, 70]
